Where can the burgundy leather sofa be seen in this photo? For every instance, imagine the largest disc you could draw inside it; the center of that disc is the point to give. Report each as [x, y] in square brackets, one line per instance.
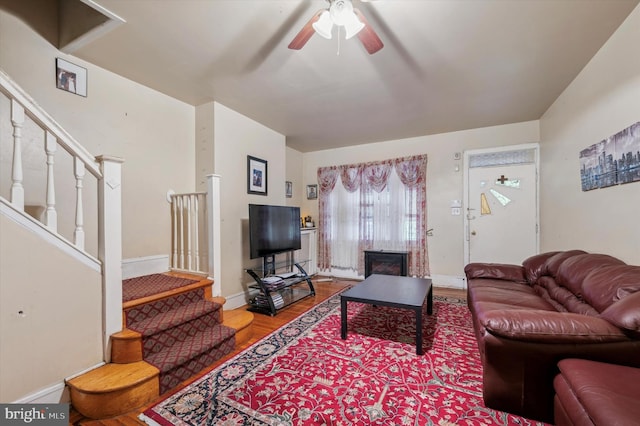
[555, 305]
[590, 393]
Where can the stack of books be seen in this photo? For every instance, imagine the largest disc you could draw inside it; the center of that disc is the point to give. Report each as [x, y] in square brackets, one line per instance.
[278, 301]
[261, 300]
[273, 283]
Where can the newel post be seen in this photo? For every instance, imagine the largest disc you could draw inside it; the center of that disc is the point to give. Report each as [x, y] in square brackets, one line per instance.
[110, 247]
[213, 229]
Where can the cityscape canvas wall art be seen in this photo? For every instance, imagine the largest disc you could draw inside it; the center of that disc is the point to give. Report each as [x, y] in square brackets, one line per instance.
[612, 161]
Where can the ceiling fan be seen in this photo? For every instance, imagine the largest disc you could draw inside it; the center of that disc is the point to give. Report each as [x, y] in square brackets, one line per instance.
[340, 13]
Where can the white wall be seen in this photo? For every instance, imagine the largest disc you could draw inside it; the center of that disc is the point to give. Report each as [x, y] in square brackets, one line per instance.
[294, 175]
[151, 131]
[443, 182]
[601, 101]
[50, 325]
[237, 136]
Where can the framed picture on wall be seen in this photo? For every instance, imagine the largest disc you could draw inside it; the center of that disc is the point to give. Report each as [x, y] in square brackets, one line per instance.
[288, 189]
[71, 78]
[256, 176]
[312, 192]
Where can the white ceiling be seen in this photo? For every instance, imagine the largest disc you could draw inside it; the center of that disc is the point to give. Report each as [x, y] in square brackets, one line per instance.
[447, 65]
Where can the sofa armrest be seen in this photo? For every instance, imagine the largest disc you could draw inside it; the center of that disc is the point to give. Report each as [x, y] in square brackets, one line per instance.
[497, 271]
[550, 327]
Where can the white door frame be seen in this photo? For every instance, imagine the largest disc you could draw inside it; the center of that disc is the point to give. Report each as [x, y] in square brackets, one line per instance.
[467, 154]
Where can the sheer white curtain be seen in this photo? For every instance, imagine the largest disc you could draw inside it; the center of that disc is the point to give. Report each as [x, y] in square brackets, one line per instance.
[388, 224]
[345, 235]
[379, 206]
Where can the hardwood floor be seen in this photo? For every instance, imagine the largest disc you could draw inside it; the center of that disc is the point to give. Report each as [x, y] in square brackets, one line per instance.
[262, 326]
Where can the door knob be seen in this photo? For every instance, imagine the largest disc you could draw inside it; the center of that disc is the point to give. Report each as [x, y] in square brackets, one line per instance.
[473, 232]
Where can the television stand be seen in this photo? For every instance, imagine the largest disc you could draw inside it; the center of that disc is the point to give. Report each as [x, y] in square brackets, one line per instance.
[278, 292]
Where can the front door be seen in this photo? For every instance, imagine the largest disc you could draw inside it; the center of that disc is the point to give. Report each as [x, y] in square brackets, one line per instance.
[501, 223]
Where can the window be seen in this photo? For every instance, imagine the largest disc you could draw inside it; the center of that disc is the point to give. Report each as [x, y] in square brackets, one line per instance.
[379, 206]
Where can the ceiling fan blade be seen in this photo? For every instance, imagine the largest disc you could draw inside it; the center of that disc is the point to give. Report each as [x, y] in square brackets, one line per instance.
[305, 33]
[367, 35]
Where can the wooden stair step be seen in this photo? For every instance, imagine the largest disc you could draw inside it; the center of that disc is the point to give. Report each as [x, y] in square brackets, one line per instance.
[203, 283]
[126, 347]
[189, 347]
[173, 317]
[242, 321]
[114, 389]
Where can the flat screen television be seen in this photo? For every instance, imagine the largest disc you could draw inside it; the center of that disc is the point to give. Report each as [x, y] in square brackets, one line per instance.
[273, 229]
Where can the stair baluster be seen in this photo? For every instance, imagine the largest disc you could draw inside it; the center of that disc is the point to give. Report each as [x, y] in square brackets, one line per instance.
[51, 216]
[78, 234]
[17, 190]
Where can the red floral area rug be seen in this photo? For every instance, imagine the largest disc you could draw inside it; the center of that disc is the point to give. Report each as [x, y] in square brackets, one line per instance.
[305, 374]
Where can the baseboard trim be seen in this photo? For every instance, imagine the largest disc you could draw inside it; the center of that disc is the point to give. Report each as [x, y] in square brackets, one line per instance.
[55, 394]
[235, 301]
[58, 393]
[139, 266]
[449, 281]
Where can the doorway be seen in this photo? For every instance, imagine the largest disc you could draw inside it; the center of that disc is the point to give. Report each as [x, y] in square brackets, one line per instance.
[501, 204]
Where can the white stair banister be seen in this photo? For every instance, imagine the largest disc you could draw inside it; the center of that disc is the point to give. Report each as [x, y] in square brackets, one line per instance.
[78, 233]
[51, 216]
[189, 232]
[196, 226]
[188, 199]
[174, 223]
[213, 233]
[181, 208]
[17, 190]
[110, 247]
[107, 171]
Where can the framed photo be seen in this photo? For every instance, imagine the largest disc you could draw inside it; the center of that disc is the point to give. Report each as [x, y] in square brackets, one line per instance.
[256, 176]
[71, 78]
[312, 192]
[288, 189]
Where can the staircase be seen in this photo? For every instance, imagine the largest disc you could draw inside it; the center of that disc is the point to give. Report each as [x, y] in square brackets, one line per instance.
[151, 343]
[169, 337]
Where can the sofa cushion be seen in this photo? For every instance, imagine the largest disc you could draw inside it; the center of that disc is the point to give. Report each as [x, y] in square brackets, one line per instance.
[606, 285]
[561, 298]
[573, 271]
[493, 283]
[549, 327]
[552, 264]
[498, 271]
[534, 266]
[625, 313]
[609, 393]
[514, 298]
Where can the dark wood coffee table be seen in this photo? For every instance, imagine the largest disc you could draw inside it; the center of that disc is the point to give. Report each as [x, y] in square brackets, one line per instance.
[394, 291]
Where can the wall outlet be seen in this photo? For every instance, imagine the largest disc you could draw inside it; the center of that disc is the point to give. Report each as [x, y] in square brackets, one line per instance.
[455, 211]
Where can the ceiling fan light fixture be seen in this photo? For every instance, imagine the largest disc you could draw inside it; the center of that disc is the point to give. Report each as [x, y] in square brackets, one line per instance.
[352, 26]
[324, 25]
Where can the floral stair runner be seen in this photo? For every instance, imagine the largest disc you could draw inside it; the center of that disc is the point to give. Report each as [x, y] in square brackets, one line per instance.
[181, 335]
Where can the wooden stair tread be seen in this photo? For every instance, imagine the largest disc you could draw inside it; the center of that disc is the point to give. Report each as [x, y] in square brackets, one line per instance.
[113, 377]
[126, 334]
[237, 318]
[242, 321]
